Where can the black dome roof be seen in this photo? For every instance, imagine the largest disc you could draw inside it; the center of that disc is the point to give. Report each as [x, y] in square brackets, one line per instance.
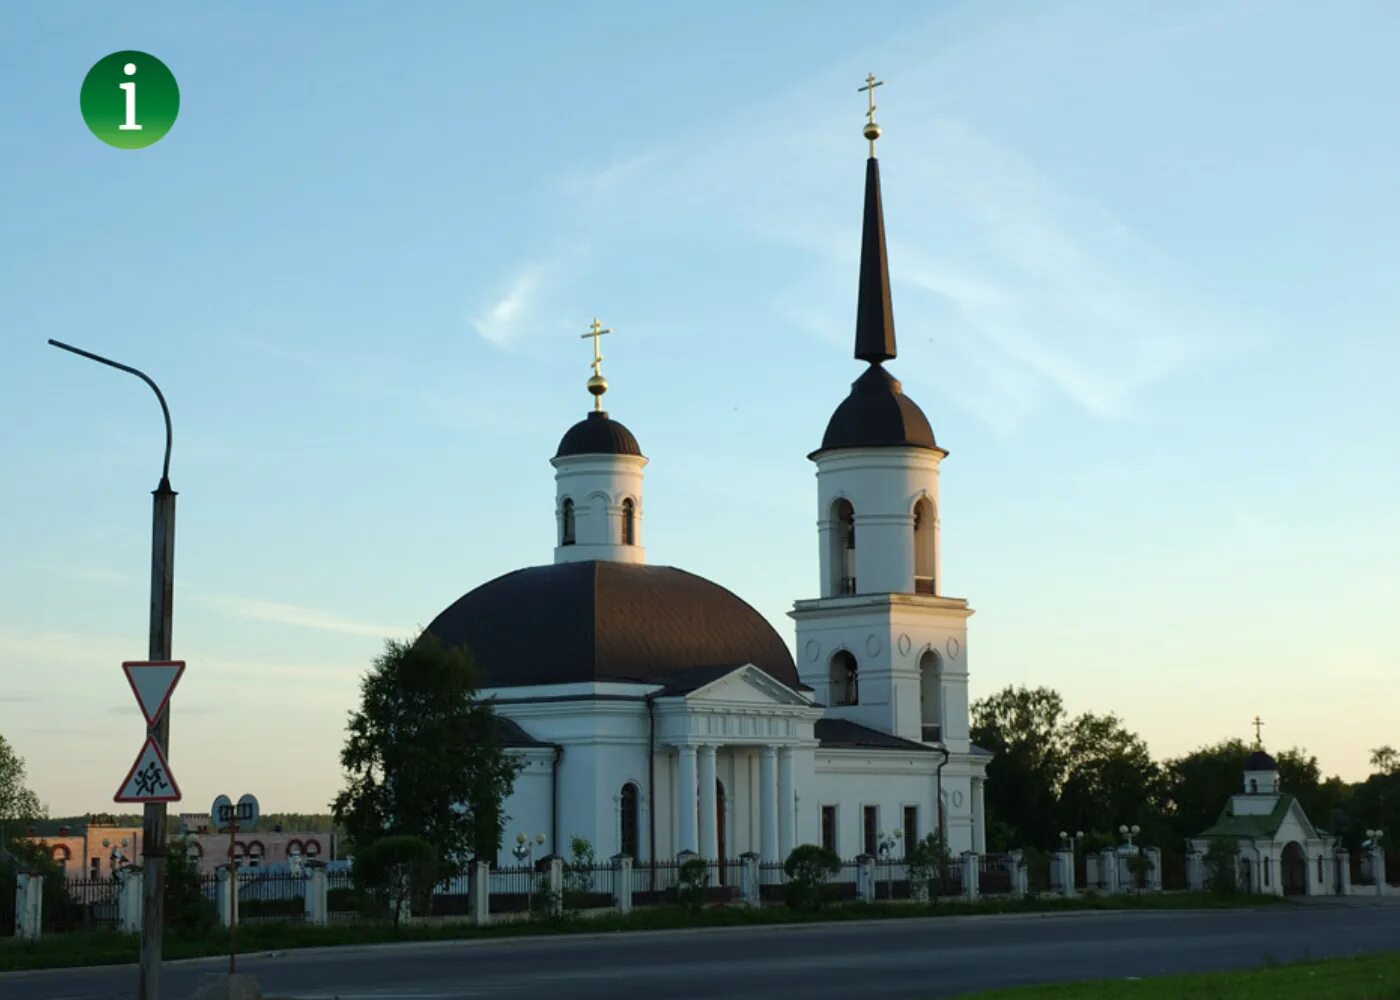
[597, 435]
[607, 621]
[877, 414]
[1260, 761]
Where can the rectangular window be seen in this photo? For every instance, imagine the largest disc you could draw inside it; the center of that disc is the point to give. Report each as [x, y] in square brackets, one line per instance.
[872, 829]
[829, 827]
[911, 827]
[96, 864]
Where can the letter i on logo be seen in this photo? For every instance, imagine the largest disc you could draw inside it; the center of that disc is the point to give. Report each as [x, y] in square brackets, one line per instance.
[130, 124]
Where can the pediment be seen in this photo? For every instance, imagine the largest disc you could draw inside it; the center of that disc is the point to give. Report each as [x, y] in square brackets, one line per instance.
[746, 685]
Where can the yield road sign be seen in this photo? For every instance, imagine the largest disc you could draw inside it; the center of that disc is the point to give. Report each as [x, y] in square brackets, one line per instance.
[149, 779]
[152, 681]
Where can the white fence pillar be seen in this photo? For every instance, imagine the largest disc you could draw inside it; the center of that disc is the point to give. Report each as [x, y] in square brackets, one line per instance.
[1020, 878]
[970, 870]
[1154, 875]
[749, 879]
[1195, 872]
[481, 893]
[1062, 866]
[1108, 870]
[622, 883]
[228, 894]
[129, 901]
[865, 878]
[1343, 860]
[29, 906]
[556, 884]
[316, 902]
[1378, 869]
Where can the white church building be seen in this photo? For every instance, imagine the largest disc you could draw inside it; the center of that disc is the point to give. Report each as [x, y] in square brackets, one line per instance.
[656, 712]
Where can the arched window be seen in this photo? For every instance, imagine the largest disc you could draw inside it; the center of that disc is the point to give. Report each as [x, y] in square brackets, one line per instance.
[566, 522]
[255, 854]
[845, 687]
[629, 522]
[312, 849]
[843, 555]
[931, 697]
[1253, 787]
[923, 547]
[628, 804]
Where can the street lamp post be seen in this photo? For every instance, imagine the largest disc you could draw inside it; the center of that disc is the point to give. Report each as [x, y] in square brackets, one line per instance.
[524, 851]
[1129, 832]
[162, 593]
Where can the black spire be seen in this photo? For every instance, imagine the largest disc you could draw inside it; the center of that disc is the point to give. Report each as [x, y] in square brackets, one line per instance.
[874, 314]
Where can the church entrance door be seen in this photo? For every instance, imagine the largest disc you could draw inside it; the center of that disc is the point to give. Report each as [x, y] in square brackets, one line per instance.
[1295, 870]
[719, 832]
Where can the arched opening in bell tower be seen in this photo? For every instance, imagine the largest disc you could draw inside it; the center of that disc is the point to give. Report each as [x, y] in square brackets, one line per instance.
[629, 522]
[923, 547]
[566, 522]
[845, 685]
[931, 697]
[843, 540]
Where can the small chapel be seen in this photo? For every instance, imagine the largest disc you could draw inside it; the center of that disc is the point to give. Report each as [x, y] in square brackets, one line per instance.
[656, 712]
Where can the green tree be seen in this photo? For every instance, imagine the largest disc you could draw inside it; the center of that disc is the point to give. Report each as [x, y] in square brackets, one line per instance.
[578, 873]
[1198, 784]
[424, 757]
[1385, 759]
[186, 906]
[1023, 729]
[1222, 863]
[18, 804]
[929, 860]
[808, 867]
[1110, 777]
[399, 873]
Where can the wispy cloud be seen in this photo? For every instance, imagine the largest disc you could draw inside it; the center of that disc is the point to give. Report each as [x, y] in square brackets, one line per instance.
[295, 615]
[505, 317]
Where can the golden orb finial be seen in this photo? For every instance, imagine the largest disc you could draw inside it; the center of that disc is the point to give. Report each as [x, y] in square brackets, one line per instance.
[597, 385]
[871, 130]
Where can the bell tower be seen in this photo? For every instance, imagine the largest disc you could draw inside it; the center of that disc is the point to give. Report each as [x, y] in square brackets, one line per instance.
[883, 645]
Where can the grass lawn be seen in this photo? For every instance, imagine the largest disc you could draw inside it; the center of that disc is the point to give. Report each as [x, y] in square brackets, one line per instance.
[108, 948]
[1370, 977]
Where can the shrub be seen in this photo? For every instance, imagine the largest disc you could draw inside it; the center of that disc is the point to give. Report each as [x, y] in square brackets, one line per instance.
[398, 873]
[1223, 866]
[578, 873]
[690, 883]
[1139, 867]
[807, 868]
[928, 862]
[186, 906]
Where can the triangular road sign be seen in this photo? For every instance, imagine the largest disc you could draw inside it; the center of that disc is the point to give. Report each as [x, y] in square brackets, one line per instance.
[149, 779]
[151, 682]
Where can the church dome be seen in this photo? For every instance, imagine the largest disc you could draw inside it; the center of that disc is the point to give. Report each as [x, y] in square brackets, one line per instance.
[607, 621]
[1260, 761]
[877, 414]
[596, 434]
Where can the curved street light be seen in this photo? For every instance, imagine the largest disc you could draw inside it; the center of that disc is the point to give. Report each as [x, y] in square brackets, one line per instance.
[153, 834]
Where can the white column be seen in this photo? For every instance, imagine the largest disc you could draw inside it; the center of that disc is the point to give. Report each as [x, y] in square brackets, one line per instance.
[768, 804]
[709, 829]
[787, 804]
[687, 839]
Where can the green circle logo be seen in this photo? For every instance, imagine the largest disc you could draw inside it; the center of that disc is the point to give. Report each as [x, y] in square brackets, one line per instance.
[129, 99]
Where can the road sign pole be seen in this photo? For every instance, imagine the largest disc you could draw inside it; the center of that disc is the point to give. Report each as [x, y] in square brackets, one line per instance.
[153, 840]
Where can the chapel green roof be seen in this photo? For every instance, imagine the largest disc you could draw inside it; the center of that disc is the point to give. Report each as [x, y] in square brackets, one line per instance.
[1259, 825]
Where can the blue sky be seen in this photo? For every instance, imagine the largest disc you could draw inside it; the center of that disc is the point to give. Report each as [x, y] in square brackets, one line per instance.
[1143, 258]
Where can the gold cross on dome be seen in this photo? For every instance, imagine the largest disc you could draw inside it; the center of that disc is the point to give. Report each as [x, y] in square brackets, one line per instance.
[869, 89]
[1258, 725]
[872, 130]
[595, 331]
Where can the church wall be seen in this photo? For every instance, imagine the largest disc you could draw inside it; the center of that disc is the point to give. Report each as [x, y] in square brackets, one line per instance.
[527, 808]
[851, 780]
[888, 638]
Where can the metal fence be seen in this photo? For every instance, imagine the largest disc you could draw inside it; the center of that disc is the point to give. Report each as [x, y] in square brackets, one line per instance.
[513, 889]
[84, 904]
[994, 874]
[342, 901]
[268, 897]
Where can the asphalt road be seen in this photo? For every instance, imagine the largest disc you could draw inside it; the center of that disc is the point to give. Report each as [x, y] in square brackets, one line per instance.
[894, 959]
